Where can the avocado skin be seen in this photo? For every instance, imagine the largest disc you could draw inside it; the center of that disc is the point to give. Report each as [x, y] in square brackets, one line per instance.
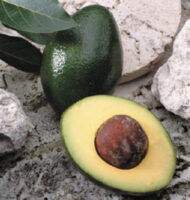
[98, 182]
[83, 61]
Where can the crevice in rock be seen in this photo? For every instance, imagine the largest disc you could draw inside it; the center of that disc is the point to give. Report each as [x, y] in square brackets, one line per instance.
[9, 161]
[129, 35]
[149, 26]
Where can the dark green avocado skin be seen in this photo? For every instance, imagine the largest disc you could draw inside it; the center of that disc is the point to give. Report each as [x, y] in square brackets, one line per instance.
[83, 61]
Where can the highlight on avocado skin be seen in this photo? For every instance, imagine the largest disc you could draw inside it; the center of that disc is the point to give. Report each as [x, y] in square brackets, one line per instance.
[83, 52]
[113, 140]
[80, 124]
[26, 18]
[82, 61]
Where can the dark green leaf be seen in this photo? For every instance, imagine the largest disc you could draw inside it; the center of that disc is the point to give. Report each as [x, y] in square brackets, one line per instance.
[19, 53]
[35, 16]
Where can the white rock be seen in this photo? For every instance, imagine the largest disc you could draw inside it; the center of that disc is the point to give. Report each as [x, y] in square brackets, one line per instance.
[14, 125]
[8, 31]
[146, 27]
[171, 83]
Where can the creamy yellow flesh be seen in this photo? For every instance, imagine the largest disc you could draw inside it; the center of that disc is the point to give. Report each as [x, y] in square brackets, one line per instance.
[79, 125]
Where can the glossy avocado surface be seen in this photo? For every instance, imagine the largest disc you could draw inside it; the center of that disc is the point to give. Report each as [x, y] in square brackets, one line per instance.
[83, 61]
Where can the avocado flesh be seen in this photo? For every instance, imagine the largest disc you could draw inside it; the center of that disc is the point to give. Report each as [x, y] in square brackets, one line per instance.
[79, 125]
[83, 61]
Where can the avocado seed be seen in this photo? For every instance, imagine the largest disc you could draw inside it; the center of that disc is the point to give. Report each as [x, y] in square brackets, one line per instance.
[121, 142]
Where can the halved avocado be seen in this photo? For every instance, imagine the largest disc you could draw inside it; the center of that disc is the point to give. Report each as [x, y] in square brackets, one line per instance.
[79, 125]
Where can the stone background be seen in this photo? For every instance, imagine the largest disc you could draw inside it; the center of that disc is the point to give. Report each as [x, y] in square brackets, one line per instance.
[146, 28]
[42, 170]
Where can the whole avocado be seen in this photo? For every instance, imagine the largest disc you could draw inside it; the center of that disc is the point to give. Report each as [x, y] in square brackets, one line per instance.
[82, 61]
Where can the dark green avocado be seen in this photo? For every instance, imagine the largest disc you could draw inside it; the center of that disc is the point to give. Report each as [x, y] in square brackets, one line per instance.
[83, 61]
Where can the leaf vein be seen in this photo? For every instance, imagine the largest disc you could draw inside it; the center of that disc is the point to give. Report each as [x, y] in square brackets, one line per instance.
[4, 7]
[34, 12]
[22, 16]
[37, 20]
[16, 57]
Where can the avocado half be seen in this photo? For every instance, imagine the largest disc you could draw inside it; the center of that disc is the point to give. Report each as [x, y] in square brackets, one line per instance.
[79, 124]
[83, 61]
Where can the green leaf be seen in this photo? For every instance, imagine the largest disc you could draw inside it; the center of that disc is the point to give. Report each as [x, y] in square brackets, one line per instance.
[35, 16]
[40, 38]
[19, 53]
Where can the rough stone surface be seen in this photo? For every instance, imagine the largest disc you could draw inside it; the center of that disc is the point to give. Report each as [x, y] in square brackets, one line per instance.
[146, 27]
[171, 84]
[42, 169]
[14, 124]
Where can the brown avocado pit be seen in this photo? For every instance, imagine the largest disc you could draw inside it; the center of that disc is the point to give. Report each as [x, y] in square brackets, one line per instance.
[121, 142]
